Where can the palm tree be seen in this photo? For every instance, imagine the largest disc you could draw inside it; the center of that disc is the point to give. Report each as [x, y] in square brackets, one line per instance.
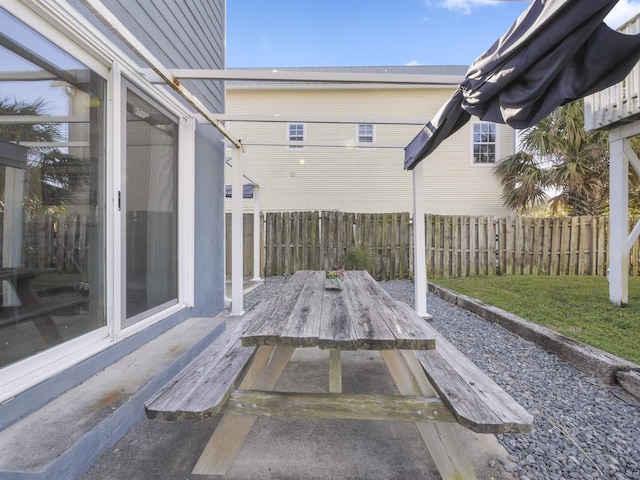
[38, 132]
[559, 162]
[29, 132]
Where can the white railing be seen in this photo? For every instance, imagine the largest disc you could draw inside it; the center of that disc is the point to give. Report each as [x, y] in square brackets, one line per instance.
[620, 101]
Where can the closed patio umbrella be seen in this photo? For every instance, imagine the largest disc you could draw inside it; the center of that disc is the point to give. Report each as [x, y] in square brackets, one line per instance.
[557, 51]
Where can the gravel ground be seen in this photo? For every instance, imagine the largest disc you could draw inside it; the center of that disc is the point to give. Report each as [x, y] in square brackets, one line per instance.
[582, 430]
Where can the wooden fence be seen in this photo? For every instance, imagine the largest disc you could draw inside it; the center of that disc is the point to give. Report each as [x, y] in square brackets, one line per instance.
[53, 241]
[456, 246]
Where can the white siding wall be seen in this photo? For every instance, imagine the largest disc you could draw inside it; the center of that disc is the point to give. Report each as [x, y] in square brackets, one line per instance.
[355, 179]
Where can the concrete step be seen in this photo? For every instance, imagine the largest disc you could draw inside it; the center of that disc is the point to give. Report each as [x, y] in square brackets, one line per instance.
[65, 437]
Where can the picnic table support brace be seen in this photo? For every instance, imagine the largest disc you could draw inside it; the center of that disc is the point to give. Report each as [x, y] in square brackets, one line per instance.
[440, 438]
[223, 446]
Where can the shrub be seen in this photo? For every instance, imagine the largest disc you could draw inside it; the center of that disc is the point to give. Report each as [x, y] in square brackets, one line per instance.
[359, 258]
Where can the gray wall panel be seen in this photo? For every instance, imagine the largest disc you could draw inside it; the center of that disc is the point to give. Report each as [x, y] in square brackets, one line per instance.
[185, 34]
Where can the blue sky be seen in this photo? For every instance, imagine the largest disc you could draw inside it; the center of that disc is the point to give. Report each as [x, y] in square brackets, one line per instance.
[326, 33]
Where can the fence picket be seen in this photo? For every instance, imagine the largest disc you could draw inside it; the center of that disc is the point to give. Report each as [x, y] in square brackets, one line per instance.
[455, 246]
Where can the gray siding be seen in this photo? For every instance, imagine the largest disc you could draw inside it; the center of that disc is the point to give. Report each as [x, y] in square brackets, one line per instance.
[163, 26]
[181, 34]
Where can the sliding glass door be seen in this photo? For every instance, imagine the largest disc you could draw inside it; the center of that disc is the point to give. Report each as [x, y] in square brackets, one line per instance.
[52, 196]
[149, 206]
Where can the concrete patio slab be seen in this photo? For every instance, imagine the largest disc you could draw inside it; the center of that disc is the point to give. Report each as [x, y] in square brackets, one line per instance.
[287, 448]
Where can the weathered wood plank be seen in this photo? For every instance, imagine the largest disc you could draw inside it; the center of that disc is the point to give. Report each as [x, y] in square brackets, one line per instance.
[574, 246]
[270, 324]
[302, 326]
[332, 405]
[366, 315]
[475, 400]
[335, 371]
[630, 381]
[410, 331]
[556, 254]
[336, 328]
[441, 439]
[547, 249]
[202, 387]
[224, 444]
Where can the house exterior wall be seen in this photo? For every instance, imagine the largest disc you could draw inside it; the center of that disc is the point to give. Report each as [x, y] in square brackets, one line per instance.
[181, 35]
[355, 179]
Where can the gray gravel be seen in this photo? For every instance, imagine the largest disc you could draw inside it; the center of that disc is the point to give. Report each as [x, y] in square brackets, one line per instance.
[582, 430]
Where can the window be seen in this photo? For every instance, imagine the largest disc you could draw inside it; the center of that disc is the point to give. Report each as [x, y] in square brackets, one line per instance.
[296, 133]
[484, 143]
[365, 133]
[52, 177]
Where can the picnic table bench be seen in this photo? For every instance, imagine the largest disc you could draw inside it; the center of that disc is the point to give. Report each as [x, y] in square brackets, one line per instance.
[237, 373]
[31, 307]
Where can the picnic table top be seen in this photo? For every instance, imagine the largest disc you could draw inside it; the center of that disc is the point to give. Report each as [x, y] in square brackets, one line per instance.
[361, 316]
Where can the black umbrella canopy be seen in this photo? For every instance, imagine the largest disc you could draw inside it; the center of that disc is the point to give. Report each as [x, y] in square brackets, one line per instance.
[557, 51]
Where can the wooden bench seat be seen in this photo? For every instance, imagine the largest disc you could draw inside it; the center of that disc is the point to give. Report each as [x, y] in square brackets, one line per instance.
[201, 388]
[473, 398]
[9, 315]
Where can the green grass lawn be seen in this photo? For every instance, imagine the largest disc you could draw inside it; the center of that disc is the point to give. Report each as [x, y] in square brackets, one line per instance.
[576, 306]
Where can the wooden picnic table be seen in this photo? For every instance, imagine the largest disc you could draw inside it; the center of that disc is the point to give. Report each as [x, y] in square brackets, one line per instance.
[31, 306]
[438, 389]
[361, 316]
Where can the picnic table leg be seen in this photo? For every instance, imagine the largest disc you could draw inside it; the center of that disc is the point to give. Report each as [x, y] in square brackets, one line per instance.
[335, 371]
[223, 446]
[440, 438]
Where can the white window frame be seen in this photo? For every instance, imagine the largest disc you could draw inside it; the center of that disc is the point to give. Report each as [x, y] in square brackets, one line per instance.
[291, 143]
[89, 46]
[359, 142]
[473, 144]
[186, 234]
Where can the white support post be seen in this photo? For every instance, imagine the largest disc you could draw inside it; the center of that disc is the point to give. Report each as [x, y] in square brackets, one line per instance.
[227, 300]
[256, 234]
[237, 235]
[419, 246]
[618, 274]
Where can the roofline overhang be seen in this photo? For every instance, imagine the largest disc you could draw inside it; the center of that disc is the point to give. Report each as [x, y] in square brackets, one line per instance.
[307, 77]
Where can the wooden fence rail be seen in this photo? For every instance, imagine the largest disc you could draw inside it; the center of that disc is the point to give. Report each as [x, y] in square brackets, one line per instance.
[455, 245]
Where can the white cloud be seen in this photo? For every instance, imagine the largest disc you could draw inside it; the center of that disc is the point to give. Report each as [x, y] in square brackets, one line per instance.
[460, 6]
[624, 11]
[413, 63]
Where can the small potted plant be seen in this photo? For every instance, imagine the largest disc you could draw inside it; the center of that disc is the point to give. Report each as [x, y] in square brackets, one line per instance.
[334, 279]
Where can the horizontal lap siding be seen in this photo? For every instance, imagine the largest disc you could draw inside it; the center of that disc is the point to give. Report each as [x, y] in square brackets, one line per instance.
[352, 179]
[179, 34]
